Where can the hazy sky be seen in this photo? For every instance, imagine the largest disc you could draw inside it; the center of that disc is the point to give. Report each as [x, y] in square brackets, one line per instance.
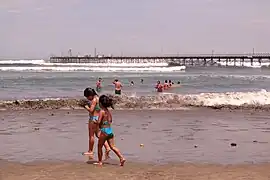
[39, 28]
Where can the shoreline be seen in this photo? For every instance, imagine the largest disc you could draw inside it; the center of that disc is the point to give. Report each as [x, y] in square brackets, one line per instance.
[161, 101]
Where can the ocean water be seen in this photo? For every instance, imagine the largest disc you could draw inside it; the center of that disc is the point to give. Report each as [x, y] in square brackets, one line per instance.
[37, 79]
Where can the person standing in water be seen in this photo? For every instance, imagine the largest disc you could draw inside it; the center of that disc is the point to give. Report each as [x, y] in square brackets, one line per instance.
[131, 83]
[93, 128]
[159, 87]
[170, 83]
[98, 85]
[141, 81]
[166, 85]
[118, 87]
[107, 135]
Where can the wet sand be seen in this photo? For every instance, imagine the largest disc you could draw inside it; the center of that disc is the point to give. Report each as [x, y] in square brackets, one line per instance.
[186, 138]
[73, 171]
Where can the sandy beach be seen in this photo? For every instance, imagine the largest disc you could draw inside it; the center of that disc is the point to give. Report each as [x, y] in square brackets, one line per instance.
[75, 170]
[196, 143]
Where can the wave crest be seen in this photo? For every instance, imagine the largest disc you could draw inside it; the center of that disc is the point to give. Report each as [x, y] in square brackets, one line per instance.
[230, 100]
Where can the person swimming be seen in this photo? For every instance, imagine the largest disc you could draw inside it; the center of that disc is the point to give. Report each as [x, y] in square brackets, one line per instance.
[159, 87]
[166, 85]
[170, 83]
[131, 83]
[141, 81]
[107, 135]
[93, 108]
[118, 87]
[98, 85]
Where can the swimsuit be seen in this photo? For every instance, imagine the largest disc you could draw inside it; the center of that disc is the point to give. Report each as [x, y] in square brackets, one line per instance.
[107, 129]
[117, 92]
[159, 88]
[97, 108]
[93, 118]
[98, 89]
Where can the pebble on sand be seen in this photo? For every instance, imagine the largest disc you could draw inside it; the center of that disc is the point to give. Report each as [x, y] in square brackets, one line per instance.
[141, 145]
[233, 144]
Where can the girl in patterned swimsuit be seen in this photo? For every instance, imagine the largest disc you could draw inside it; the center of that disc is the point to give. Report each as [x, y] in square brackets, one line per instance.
[93, 129]
[106, 135]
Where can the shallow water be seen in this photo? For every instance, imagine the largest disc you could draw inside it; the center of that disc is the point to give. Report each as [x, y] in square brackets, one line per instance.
[19, 85]
[197, 135]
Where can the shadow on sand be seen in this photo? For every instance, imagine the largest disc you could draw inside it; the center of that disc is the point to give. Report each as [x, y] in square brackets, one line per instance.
[108, 162]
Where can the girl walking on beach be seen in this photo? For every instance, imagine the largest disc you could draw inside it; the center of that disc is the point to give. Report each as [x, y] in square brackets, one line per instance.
[93, 129]
[106, 135]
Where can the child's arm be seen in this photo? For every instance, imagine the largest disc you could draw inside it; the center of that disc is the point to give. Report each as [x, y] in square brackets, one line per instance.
[100, 117]
[92, 107]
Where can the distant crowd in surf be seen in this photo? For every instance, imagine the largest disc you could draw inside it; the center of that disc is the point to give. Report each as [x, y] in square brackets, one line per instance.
[160, 87]
[165, 86]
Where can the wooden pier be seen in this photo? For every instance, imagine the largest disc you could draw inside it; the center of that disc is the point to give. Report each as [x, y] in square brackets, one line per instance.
[180, 60]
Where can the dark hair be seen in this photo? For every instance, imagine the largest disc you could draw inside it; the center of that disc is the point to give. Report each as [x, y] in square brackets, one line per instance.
[89, 92]
[170, 81]
[116, 80]
[106, 101]
[166, 81]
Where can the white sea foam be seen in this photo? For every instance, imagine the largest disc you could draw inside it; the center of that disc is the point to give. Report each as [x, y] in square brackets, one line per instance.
[109, 64]
[41, 65]
[22, 61]
[236, 99]
[243, 64]
[259, 98]
[96, 69]
[161, 101]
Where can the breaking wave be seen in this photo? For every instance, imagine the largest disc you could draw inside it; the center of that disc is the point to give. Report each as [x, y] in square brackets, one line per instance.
[244, 64]
[230, 100]
[110, 66]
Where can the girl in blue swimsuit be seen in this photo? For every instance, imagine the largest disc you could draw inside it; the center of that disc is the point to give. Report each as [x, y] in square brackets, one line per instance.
[93, 129]
[106, 135]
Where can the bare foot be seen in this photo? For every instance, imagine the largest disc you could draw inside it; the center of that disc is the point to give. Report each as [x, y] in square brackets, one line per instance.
[98, 163]
[107, 155]
[122, 162]
[90, 154]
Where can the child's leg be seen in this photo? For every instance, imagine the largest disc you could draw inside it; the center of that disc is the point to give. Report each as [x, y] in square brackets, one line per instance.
[106, 145]
[91, 132]
[101, 141]
[116, 151]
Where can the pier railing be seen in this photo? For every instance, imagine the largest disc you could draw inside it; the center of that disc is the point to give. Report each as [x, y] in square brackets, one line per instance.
[186, 60]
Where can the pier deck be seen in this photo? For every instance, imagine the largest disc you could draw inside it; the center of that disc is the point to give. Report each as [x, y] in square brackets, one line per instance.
[185, 60]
